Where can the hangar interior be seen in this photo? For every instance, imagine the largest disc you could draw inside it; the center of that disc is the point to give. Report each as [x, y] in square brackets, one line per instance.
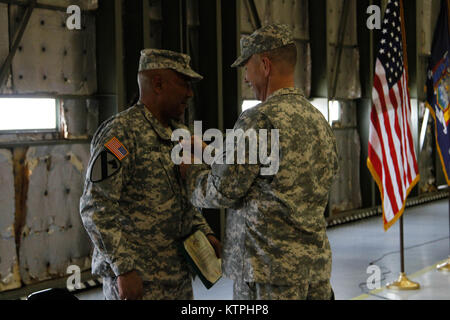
[88, 74]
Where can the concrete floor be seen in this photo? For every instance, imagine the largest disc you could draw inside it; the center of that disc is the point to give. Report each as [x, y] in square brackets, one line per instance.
[359, 244]
[426, 240]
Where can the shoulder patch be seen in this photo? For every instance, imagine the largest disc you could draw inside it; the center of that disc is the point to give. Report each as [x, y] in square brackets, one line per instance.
[104, 166]
[117, 148]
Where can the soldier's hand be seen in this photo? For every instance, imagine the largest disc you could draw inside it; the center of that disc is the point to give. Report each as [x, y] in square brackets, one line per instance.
[196, 140]
[184, 167]
[130, 286]
[216, 244]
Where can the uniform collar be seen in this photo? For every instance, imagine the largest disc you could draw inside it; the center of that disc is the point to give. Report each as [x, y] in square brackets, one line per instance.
[163, 132]
[283, 91]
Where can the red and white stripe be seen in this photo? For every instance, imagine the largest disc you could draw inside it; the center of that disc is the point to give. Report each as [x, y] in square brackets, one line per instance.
[391, 156]
[113, 145]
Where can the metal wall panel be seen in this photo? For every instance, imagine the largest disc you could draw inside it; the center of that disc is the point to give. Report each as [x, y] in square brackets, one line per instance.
[303, 68]
[9, 275]
[79, 118]
[51, 58]
[4, 43]
[348, 84]
[345, 192]
[427, 11]
[247, 24]
[193, 19]
[426, 161]
[4, 33]
[83, 4]
[53, 236]
[156, 22]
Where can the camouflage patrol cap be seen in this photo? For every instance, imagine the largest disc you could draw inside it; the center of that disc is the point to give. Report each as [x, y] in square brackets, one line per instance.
[164, 59]
[264, 39]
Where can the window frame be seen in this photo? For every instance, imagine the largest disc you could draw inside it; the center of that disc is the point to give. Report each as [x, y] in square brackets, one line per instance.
[55, 130]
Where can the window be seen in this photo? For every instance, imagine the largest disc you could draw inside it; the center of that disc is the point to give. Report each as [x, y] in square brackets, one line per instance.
[247, 104]
[335, 111]
[329, 108]
[28, 114]
[321, 104]
[423, 130]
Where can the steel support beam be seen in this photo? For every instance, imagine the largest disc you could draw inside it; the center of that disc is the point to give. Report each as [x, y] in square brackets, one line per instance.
[106, 63]
[118, 31]
[254, 13]
[16, 41]
[133, 43]
[339, 46]
[174, 25]
[318, 36]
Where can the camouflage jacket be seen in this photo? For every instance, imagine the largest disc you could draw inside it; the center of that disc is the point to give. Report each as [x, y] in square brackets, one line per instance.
[275, 228]
[137, 216]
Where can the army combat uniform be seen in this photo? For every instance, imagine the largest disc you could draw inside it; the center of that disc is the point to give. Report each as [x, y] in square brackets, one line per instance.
[134, 206]
[276, 246]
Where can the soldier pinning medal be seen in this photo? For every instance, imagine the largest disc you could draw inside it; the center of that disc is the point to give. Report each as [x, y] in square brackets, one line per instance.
[276, 246]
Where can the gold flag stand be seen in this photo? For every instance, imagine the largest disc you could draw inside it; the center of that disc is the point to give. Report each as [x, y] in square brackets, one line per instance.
[444, 267]
[403, 283]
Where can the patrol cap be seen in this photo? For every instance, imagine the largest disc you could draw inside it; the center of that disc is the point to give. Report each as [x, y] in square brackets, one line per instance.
[164, 59]
[264, 39]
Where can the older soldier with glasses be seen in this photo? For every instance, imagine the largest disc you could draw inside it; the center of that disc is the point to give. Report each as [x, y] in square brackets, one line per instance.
[276, 246]
[134, 206]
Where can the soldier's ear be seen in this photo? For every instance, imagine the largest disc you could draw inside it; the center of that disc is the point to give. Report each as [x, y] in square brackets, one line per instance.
[157, 83]
[266, 65]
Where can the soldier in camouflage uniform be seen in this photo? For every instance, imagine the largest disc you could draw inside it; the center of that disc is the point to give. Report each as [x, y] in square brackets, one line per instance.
[276, 246]
[134, 206]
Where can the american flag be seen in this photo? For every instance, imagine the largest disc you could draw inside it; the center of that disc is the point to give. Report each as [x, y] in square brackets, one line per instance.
[391, 156]
[117, 148]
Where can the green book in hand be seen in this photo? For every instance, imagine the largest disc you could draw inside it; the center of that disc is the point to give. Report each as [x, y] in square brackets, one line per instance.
[201, 255]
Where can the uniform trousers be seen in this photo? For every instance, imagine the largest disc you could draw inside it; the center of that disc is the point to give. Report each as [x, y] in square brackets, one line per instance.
[305, 290]
[162, 290]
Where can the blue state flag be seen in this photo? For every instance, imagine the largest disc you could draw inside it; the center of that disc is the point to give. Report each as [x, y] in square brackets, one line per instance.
[437, 87]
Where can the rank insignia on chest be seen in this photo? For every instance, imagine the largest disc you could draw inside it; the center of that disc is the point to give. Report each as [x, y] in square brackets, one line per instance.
[117, 148]
[104, 166]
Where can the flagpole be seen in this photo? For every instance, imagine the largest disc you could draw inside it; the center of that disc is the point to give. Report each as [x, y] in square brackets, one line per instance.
[445, 267]
[403, 283]
[402, 248]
